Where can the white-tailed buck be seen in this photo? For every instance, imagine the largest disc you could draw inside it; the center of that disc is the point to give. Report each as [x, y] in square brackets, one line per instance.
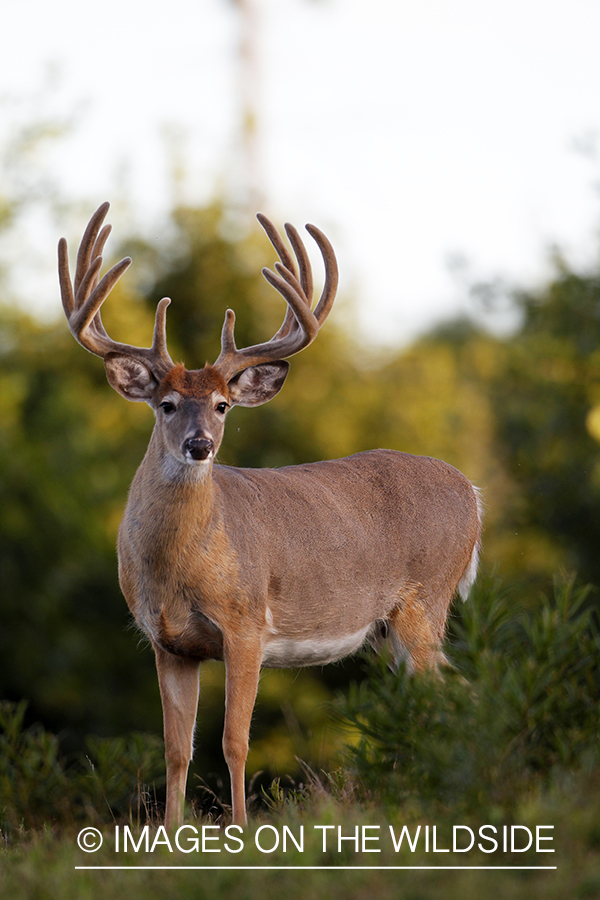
[270, 567]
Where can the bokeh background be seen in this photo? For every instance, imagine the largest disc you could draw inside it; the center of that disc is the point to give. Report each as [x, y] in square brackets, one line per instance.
[449, 151]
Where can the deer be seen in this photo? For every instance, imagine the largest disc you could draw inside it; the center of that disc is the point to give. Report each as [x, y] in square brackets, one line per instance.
[286, 567]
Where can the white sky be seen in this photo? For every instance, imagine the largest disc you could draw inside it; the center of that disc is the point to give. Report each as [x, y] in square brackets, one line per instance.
[409, 130]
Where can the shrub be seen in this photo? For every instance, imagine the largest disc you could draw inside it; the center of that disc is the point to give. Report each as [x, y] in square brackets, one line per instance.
[38, 786]
[521, 700]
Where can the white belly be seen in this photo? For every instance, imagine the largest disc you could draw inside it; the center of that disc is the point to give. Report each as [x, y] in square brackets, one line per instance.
[283, 653]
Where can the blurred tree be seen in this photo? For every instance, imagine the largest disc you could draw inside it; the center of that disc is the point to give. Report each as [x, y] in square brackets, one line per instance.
[546, 397]
[65, 455]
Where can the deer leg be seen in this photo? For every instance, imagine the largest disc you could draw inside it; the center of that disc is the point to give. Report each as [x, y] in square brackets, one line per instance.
[242, 670]
[416, 635]
[179, 689]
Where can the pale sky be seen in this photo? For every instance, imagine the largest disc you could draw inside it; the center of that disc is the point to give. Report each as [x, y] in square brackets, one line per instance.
[411, 131]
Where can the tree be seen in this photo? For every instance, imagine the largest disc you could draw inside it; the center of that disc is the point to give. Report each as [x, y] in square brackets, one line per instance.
[547, 397]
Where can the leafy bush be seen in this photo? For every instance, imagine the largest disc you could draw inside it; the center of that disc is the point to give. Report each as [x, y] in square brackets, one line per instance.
[39, 787]
[119, 774]
[521, 700]
[33, 782]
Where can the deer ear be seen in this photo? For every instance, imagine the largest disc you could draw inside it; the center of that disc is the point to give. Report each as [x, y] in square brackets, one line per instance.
[130, 377]
[258, 384]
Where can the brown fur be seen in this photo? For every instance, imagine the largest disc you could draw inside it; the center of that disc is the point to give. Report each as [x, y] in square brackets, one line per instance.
[193, 382]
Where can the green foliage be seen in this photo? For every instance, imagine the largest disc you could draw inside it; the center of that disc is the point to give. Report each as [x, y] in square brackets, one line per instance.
[126, 772]
[33, 782]
[521, 701]
[40, 787]
[545, 397]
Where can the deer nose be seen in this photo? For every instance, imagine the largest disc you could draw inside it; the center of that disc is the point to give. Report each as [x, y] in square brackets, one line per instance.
[198, 448]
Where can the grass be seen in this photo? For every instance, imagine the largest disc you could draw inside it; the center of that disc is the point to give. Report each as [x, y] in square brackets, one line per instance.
[42, 863]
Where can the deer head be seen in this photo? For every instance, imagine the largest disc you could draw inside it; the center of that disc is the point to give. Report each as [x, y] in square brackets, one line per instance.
[191, 405]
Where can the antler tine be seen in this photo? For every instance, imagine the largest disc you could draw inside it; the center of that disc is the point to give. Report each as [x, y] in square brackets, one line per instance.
[306, 279]
[83, 301]
[275, 238]
[90, 305]
[64, 277]
[289, 287]
[286, 259]
[159, 338]
[88, 241]
[98, 248]
[306, 282]
[325, 303]
[303, 330]
[301, 325]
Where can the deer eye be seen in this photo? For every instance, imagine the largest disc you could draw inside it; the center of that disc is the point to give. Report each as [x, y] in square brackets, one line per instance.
[167, 407]
[221, 407]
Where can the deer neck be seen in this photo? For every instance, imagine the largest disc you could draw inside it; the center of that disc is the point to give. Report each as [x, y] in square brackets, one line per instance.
[178, 499]
[171, 534]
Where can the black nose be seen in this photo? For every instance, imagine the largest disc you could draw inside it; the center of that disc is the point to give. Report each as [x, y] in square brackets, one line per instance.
[198, 448]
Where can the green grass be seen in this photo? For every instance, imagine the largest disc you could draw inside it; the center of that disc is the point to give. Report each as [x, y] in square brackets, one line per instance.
[42, 863]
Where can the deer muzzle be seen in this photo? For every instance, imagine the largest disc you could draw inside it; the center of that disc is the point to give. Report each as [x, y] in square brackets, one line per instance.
[198, 448]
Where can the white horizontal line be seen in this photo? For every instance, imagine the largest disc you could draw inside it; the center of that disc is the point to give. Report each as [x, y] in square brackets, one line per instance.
[297, 868]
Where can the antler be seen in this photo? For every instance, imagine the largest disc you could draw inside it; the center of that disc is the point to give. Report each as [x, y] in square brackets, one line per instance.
[82, 301]
[301, 324]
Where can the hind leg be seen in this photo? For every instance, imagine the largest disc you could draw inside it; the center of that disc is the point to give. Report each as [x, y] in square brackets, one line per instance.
[416, 631]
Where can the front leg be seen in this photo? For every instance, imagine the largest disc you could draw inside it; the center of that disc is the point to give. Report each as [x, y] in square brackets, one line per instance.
[242, 669]
[179, 683]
